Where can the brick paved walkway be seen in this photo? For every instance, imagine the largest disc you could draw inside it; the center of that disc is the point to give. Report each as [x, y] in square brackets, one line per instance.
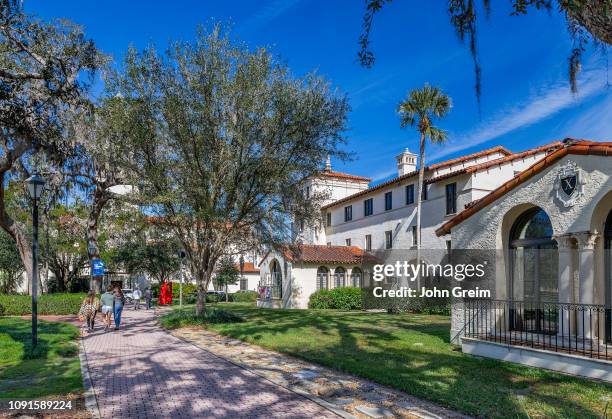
[142, 371]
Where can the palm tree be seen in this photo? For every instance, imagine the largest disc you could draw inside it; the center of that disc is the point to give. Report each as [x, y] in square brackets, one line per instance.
[421, 107]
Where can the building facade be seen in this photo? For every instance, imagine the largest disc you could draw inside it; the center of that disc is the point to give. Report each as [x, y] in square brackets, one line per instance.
[551, 227]
[382, 218]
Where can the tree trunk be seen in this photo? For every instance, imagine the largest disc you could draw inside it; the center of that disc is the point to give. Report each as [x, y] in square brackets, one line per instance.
[93, 252]
[202, 282]
[419, 199]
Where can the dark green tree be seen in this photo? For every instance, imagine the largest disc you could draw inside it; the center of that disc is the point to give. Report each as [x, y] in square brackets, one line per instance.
[45, 72]
[11, 266]
[223, 139]
[226, 274]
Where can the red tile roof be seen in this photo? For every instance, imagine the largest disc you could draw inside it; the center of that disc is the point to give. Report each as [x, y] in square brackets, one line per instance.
[346, 176]
[568, 146]
[309, 253]
[462, 159]
[248, 268]
[470, 169]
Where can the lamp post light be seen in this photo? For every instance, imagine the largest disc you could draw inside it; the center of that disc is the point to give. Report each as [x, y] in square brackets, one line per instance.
[35, 185]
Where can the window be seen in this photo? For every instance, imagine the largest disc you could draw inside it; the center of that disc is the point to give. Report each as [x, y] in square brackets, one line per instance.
[451, 198]
[356, 276]
[339, 277]
[348, 213]
[409, 194]
[322, 278]
[388, 201]
[424, 193]
[244, 284]
[414, 236]
[348, 242]
[368, 242]
[277, 280]
[302, 226]
[368, 207]
[307, 192]
[388, 239]
[328, 219]
[534, 271]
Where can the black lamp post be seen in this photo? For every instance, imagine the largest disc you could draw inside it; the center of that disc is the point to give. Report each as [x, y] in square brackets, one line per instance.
[35, 186]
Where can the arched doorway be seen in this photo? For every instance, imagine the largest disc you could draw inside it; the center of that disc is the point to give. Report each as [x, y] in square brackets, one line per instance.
[277, 279]
[339, 277]
[356, 277]
[534, 272]
[608, 275]
[322, 278]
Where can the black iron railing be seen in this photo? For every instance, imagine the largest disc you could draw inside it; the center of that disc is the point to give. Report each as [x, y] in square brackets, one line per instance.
[580, 329]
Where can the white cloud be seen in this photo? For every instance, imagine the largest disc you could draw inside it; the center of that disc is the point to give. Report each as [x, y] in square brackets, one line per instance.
[539, 106]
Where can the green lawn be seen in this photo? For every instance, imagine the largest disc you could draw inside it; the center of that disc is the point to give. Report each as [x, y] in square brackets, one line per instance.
[412, 353]
[50, 371]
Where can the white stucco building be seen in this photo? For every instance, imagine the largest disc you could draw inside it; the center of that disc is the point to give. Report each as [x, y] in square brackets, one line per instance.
[383, 217]
[551, 226]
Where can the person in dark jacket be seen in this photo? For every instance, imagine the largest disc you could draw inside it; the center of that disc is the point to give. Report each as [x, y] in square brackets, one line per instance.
[118, 304]
[148, 295]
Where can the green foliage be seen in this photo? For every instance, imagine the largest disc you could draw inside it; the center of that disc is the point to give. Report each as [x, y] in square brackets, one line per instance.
[231, 177]
[347, 298]
[344, 298]
[226, 273]
[244, 296]
[11, 266]
[60, 304]
[157, 258]
[320, 300]
[187, 317]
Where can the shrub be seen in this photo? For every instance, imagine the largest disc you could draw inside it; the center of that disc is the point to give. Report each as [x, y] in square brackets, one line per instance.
[347, 298]
[59, 304]
[1, 310]
[320, 300]
[245, 296]
[187, 317]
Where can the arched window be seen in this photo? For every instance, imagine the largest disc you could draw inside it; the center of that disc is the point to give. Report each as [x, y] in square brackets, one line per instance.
[339, 277]
[277, 280]
[356, 277]
[535, 266]
[322, 278]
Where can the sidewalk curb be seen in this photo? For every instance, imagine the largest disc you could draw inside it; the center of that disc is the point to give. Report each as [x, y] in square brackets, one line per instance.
[323, 403]
[91, 402]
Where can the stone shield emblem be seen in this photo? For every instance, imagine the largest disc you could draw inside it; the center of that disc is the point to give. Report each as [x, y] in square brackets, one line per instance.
[568, 184]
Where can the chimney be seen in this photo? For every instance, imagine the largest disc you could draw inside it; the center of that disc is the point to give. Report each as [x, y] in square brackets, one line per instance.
[406, 162]
[328, 164]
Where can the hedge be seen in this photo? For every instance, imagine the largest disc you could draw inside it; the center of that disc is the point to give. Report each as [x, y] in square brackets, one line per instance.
[346, 298]
[59, 304]
[244, 296]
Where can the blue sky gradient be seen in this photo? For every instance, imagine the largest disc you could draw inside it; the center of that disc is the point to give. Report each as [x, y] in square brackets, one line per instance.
[526, 99]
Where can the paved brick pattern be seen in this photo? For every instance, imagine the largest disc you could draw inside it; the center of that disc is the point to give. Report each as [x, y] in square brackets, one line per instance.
[142, 371]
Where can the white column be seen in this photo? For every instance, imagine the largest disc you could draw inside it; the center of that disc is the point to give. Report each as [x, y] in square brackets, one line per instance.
[566, 274]
[586, 289]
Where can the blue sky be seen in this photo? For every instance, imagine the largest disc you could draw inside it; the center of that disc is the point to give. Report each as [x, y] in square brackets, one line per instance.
[525, 101]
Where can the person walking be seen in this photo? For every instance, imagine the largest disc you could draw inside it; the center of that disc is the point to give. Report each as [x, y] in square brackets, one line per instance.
[118, 302]
[148, 294]
[136, 295]
[107, 299]
[89, 307]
